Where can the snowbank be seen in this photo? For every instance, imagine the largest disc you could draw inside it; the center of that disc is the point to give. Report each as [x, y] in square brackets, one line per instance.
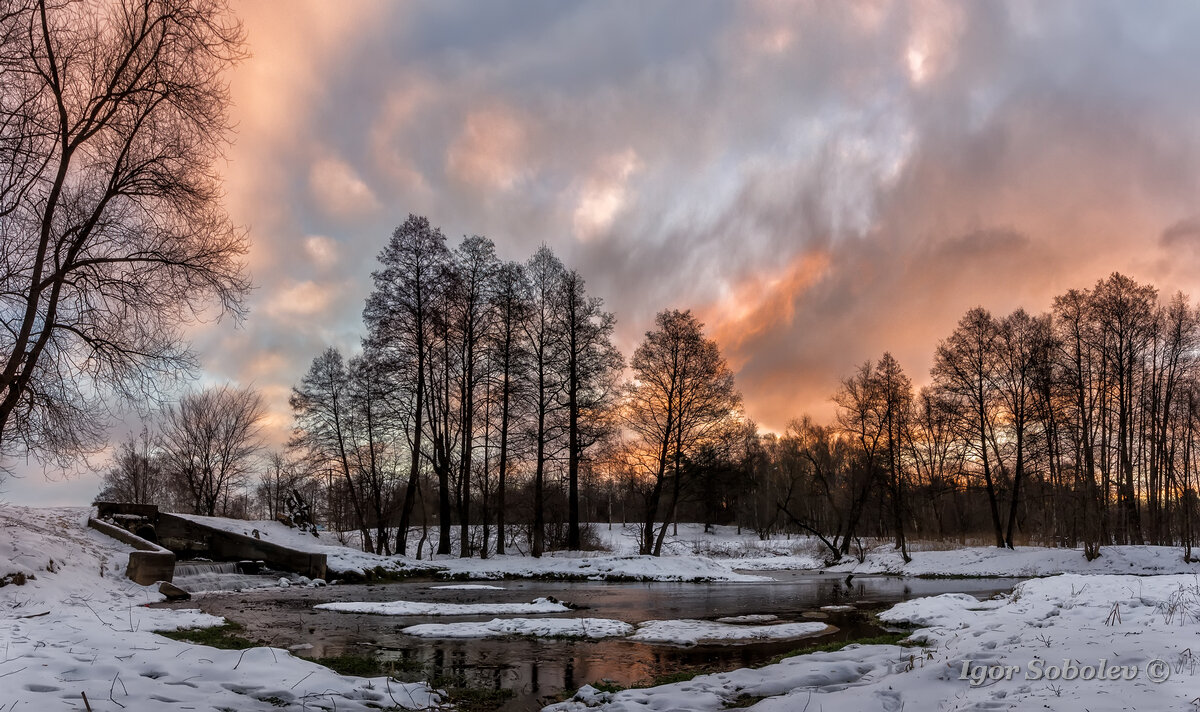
[1059, 636]
[77, 626]
[695, 632]
[598, 567]
[593, 628]
[1024, 561]
[432, 608]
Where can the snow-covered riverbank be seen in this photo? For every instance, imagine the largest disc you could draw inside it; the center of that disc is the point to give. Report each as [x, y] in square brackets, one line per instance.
[724, 555]
[72, 624]
[1047, 646]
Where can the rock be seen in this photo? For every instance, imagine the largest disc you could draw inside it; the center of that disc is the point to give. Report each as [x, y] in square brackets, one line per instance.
[173, 592]
[818, 615]
[283, 582]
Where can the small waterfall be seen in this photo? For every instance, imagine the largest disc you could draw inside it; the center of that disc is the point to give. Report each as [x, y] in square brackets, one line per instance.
[205, 576]
[193, 568]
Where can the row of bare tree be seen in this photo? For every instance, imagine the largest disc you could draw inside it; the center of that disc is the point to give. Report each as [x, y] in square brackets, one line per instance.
[475, 371]
[1075, 427]
[487, 397]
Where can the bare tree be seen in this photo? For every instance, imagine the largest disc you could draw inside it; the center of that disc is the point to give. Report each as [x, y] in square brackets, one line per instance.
[510, 359]
[399, 316]
[475, 265]
[964, 371]
[136, 473]
[682, 390]
[209, 441]
[1023, 346]
[593, 365]
[112, 236]
[543, 334]
[321, 406]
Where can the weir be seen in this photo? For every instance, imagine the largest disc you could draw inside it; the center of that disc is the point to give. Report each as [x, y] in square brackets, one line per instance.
[202, 576]
[159, 536]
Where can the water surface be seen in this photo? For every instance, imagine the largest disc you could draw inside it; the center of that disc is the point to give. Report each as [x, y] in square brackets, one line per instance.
[538, 671]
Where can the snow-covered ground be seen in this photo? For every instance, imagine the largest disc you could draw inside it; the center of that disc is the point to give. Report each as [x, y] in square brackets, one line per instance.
[1046, 646]
[78, 626]
[339, 557]
[537, 627]
[432, 608]
[695, 632]
[723, 555]
[1022, 561]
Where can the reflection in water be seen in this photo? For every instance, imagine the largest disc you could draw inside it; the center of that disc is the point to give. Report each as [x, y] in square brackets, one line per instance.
[537, 670]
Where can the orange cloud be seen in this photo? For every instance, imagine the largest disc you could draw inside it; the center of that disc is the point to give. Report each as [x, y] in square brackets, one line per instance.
[489, 150]
[604, 193]
[762, 302]
[301, 299]
[339, 190]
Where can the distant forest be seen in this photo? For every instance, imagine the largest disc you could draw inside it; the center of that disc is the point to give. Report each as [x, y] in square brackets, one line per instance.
[488, 404]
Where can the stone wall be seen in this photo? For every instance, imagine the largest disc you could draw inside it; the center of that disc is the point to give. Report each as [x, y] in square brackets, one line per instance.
[149, 564]
[184, 535]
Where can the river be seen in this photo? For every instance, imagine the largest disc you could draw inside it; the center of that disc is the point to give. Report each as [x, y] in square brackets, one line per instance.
[538, 670]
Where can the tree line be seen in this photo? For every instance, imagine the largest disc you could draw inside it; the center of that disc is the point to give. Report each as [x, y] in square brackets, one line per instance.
[487, 396]
[488, 409]
[1076, 427]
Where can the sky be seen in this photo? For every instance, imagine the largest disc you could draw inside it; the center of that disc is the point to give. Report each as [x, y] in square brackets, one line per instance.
[820, 182]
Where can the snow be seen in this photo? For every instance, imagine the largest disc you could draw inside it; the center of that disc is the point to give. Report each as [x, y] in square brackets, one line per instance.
[340, 559]
[1071, 622]
[433, 608]
[720, 555]
[776, 563]
[697, 632]
[78, 626]
[537, 627]
[749, 618]
[598, 567]
[468, 587]
[1024, 561]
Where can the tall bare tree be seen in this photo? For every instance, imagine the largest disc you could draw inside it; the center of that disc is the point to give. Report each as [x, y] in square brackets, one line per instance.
[964, 371]
[209, 441]
[475, 265]
[593, 365]
[547, 355]
[681, 391]
[399, 316]
[509, 378]
[112, 235]
[321, 406]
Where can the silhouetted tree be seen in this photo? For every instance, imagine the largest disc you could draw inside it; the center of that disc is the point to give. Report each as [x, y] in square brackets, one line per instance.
[399, 315]
[547, 357]
[593, 366]
[682, 390]
[112, 236]
[209, 440]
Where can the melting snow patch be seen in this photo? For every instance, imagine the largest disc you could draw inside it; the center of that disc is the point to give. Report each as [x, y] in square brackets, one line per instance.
[749, 618]
[538, 627]
[433, 608]
[696, 632]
